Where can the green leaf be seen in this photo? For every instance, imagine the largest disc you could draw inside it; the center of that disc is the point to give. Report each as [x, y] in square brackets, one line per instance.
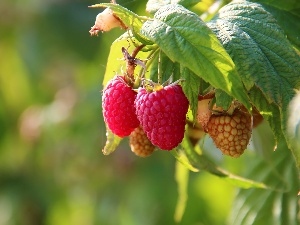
[222, 99]
[281, 4]
[112, 142]
[154, 5]
[162, 66]
[260, 50]
[289, 22]
[269, 111]
[129, 18]
[191, 86]
[115, 62]
[201, 162]
[185, 38]
[182, 178]
[270, 207]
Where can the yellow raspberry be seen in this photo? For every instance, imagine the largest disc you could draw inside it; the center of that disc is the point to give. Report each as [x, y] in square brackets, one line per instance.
[231, 133]
[140, 144]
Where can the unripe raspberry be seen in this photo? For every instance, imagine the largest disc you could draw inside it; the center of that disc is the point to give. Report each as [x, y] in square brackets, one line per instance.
[118, 107]
[140, 144]
[162, 115]
[231, 133]
[106, 21]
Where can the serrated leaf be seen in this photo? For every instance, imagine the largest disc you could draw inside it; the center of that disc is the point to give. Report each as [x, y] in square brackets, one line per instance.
[129, 18]
[182, 178]
[260, 50]
[185, 38]
[222, 99]
[267, 207]
[201, 162]
[269, 111]
[115, 62]
[154, 5]
[112, 142]
[289, 22]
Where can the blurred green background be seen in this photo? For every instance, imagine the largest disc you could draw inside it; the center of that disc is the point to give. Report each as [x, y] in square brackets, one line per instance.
[52, 170]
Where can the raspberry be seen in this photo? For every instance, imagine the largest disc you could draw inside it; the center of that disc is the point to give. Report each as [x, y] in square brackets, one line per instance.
[140, 144]
[231, 133]
[162, 114]
[118, 107]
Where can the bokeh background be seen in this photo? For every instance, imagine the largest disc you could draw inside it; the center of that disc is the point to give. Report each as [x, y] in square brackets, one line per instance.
[52, 170]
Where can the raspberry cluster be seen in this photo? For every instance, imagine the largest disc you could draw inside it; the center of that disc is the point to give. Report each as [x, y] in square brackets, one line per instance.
[155, 117]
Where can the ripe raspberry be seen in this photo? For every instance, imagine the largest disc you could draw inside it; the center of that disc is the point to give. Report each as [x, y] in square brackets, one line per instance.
[231, 133]
[118, 107]
[140, 144]
[162, 114]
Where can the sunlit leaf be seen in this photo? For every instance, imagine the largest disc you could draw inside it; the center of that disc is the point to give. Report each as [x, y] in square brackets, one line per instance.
[185, 38]
[259, 48]
[154, 5]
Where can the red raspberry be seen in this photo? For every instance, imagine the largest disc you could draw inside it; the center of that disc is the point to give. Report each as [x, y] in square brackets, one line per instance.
[162, 114]
[118, 107]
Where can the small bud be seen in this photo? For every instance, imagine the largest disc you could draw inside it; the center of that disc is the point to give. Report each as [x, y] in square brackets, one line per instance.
[106, 21]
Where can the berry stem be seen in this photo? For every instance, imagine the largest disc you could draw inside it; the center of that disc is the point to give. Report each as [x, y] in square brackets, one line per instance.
[131, 63]
[136, 50]
[147, 63]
